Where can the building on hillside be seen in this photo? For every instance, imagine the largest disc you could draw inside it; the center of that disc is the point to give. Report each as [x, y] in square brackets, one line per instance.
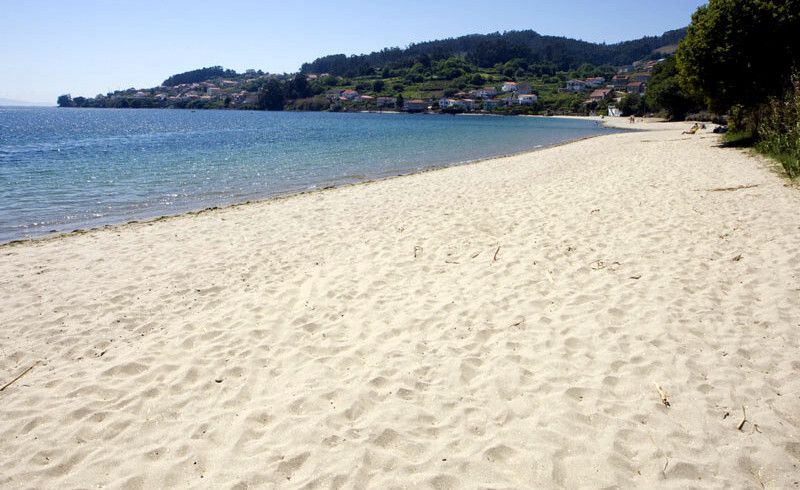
[214, 91]
[366, 99]
[620, 81]
[386, 101]
[445, 103]
[640, 77]
[595, 82]
[484, 93]
[524, 88]
[415, 105]
[348, 94]
[601, 94]
[575, 86]
[527, 99]
[509, 87]
[490, 104]
[635, 88]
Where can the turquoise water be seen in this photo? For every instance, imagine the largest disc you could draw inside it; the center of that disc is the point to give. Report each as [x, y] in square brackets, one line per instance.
[64, 169]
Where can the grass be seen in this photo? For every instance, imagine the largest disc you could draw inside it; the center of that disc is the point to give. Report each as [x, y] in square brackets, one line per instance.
[745, 139]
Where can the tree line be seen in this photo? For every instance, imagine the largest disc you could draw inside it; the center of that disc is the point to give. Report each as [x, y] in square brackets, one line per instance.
[488, 50]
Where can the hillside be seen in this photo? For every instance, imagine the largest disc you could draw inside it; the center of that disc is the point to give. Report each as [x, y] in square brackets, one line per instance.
[487, 50]
[516, 72]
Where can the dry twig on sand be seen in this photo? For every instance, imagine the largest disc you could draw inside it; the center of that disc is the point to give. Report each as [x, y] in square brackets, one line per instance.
[727, 189]
[417, 249]
[18, 377]
[663, 395]
[744, 419]
[494, 259]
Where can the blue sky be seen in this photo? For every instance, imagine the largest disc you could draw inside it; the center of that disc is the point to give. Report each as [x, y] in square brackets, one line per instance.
[86, 47]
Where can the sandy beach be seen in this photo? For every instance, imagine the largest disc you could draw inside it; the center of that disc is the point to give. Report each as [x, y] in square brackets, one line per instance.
[617, 312]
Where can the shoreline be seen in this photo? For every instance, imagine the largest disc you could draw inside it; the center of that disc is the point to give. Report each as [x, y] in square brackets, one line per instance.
[286, 195]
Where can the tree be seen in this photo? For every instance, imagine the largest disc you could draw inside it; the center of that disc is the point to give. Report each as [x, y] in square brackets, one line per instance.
[65, 101]
[632, 105]
[664, 92]
[271, 96]
[740, 52]
[298, 87]
[377, 85]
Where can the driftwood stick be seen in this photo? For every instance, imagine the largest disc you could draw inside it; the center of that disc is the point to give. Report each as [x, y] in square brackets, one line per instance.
[494, 259]
[728, 189]
[18, 377]
[744, 419]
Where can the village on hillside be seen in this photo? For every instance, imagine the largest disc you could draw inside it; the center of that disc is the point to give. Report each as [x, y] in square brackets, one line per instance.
[631, 79]
[598, 94]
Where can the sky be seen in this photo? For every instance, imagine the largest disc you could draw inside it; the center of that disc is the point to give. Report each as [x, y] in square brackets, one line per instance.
[86, 47]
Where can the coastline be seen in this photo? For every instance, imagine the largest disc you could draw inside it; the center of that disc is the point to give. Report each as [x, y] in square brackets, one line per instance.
[514, 322]
[289, 194]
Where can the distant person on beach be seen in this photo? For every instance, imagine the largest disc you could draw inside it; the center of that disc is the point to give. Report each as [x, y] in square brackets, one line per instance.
[693, 129]
[632, 120]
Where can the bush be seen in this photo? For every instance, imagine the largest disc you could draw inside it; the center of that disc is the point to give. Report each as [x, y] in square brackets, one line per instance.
[779, 129]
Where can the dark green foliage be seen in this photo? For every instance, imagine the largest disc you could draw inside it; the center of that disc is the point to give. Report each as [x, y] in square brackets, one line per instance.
[271, 96]
[486, 50]
[378, 85]
[664, 92]
[199, 75]
[65, 101]
[632, 105]
[298, 88]
[740, 52]
[779, 129]
[739, 56]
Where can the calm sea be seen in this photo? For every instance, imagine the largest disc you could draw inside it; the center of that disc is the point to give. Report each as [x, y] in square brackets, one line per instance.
[64, 169]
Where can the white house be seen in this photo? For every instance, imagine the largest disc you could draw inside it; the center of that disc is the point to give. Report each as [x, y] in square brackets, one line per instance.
[527, 99]
[509, 87]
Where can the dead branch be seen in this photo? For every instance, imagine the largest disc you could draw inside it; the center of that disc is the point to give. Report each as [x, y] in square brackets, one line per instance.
[494, 259]
[728, 189]
[18, 377]
[744, 419]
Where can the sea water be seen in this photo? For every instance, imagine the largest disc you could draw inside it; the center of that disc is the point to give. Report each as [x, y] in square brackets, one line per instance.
[66, 169]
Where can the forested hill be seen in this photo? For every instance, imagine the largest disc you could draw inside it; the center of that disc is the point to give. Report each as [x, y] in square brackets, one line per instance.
[487, 50]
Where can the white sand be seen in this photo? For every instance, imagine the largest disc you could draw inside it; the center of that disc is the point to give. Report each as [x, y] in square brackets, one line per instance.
[344, 360]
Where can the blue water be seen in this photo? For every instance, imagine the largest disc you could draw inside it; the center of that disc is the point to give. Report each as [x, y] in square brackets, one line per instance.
[64, 169]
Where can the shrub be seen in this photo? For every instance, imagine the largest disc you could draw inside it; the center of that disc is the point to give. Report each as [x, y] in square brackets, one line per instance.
[779, 129]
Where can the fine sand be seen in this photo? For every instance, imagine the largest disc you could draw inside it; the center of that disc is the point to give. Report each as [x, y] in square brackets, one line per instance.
[503, 324]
